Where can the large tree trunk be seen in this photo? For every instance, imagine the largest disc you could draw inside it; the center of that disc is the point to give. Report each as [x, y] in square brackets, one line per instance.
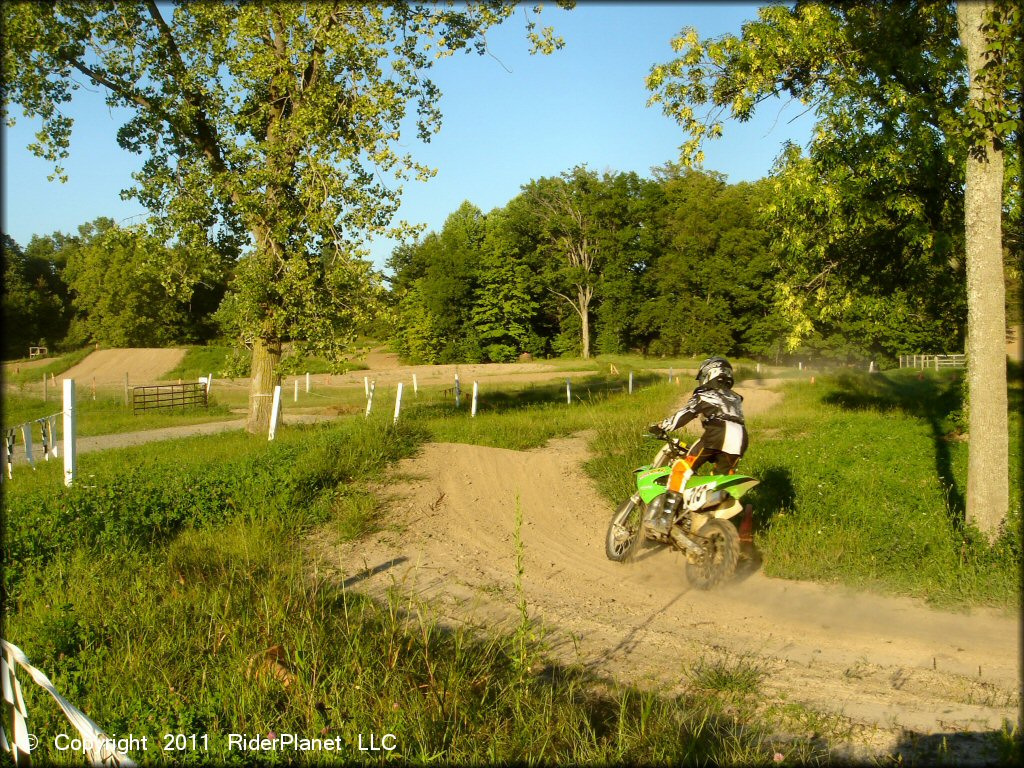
[988, 462]
[266, 355]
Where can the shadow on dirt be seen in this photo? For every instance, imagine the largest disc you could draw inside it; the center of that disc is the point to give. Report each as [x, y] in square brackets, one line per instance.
[368, 572]
[688, 727]
[636, 636]
[934, 400]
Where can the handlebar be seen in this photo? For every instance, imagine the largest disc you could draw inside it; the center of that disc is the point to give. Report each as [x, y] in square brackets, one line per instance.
[664, 436]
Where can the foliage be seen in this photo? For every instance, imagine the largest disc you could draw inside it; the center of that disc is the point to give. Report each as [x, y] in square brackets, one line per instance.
[119, 293]
[34, 298]
[267, 131]
[670, 265]
[875, 212]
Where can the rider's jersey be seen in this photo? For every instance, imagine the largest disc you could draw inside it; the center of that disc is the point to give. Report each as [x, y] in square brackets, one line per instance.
[721, 415]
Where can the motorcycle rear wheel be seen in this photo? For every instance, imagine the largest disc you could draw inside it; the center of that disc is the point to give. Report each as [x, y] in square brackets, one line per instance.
[721, 544]
[624, 531]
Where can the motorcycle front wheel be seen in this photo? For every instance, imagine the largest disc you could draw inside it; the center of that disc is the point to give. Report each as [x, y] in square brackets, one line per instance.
[721, 544]
[624, 531]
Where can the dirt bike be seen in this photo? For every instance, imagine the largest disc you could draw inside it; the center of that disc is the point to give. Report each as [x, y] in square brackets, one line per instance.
[695, 521]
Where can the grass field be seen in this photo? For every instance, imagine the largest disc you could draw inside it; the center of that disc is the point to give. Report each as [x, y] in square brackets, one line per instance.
[862, 475]
[168, 594]
[170, 591]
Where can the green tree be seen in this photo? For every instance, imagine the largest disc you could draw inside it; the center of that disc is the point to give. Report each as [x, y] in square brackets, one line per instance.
[888, 83]
[503, 305]
[115, 276]
[35, 302]
[713, 279]
[266, 128]
[625, 213]
[565, 208]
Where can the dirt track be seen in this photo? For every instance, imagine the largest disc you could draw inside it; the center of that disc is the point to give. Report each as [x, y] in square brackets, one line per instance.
[109, 366]
[889, 665]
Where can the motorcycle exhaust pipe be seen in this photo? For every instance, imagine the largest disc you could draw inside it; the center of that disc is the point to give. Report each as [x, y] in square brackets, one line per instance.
[680, 540]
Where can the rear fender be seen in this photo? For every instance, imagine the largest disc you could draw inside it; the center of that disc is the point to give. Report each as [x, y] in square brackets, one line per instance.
[728, 508]
[734, 485]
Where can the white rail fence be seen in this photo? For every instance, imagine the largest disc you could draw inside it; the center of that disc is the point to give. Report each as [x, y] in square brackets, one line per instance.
[97, 746]
[47, 427]
[933, 362]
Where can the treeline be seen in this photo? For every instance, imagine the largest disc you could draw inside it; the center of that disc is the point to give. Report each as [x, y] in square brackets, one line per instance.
[108, 285]
[682, 263]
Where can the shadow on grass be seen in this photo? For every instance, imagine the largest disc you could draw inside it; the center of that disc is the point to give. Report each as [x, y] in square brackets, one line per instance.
[585, 390]
[928, 398]
[959, 748]
[774, 494]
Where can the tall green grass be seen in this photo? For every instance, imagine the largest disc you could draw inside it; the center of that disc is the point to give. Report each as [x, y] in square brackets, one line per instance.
[173, 589]
[863, 483]
[170, 591]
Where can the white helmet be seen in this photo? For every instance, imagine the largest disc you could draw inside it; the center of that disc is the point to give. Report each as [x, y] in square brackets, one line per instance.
[715, 370]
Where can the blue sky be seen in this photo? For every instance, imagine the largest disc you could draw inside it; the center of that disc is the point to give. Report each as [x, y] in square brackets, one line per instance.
[508, 118]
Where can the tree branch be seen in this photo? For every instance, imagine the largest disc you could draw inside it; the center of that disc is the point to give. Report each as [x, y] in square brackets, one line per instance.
[204, 137]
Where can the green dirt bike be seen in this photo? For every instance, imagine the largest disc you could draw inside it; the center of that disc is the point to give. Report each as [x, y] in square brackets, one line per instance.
[696, 521]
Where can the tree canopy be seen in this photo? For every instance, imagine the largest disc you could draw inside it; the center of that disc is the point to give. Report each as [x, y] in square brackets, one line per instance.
[874, 219]
[268, 131]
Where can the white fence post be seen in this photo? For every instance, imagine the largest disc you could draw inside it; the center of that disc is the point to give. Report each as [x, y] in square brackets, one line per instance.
[458, 392]
[398, 402]
[631, 382]
[275, 412]
[366, 386]
[97, 745]
[296, 398]
[475, 390]
[369, 398]
[209, 383]
[568, 391]
[307, 381]
[70, 425]
[415, 386]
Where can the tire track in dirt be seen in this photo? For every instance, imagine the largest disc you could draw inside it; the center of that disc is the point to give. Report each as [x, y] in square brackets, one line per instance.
[888, 665]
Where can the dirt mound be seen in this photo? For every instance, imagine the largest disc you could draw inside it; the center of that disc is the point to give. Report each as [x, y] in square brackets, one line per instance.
[887, 664]
[108, 366]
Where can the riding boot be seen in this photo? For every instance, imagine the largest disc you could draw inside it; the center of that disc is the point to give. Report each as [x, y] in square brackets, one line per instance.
[661, 522]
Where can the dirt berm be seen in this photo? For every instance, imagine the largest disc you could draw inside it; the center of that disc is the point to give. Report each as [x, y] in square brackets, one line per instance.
[891, 666]
[108, 366]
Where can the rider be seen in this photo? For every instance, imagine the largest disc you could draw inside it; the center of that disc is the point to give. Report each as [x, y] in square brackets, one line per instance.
[721, 413]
